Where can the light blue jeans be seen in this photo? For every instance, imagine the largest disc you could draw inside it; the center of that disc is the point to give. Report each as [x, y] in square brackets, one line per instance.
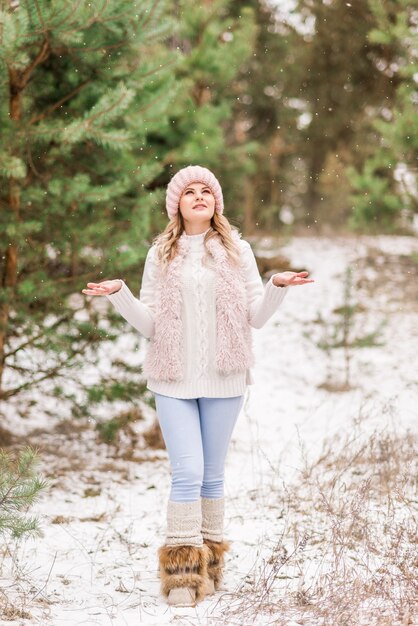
[197, 433]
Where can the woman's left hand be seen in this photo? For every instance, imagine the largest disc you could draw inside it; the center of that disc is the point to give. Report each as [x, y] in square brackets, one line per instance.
[287, 279]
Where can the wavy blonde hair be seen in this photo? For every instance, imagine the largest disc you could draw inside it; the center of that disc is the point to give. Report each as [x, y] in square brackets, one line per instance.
[166, 242]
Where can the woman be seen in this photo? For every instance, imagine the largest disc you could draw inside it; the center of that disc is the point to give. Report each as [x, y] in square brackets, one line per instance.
[201, 293]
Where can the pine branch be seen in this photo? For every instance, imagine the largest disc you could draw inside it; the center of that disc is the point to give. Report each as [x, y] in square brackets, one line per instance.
[9, 490]
[73, 8]
[40, 17]
[103, 108]
[19, 488]
[19, 79]
[35, 338]
[145, 24]
[55, 106]
[112, 46]
[52, 373]
[150, 103]
[97, 18]
[157, 69]
[94, 20]
[109, 109]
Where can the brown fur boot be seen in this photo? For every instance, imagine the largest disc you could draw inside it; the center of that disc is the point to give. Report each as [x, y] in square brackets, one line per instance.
[183, 573]
[215, 564]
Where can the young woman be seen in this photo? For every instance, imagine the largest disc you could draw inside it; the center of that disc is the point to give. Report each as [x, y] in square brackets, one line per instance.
[201, 294]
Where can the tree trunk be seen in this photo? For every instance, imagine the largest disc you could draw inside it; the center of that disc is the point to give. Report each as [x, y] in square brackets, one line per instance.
[313, 197]
[9, 277]
[18, 80]
[249, 226]
[277, 150]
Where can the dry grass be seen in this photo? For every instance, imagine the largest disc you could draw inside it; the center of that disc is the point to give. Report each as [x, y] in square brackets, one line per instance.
[10, 613]
[356, 561]
[154, 437]
[17, 594]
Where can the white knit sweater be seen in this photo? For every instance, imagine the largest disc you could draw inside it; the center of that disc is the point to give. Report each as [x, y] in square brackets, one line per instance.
[201, 378]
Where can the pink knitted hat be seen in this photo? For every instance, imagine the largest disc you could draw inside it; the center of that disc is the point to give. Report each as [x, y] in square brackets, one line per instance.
[185, 176]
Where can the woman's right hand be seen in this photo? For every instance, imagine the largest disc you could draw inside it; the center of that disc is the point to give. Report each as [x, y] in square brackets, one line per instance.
[105, 288]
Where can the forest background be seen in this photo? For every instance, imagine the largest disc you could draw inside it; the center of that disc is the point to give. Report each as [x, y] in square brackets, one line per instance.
[305, 110]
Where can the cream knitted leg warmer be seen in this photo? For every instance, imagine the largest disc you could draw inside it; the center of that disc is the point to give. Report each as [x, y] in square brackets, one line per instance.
[184, 558]
[213, 510]
[184, 520]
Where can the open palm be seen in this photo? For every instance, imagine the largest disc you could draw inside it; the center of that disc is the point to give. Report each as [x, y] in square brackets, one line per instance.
[291, 278]
[104, 288]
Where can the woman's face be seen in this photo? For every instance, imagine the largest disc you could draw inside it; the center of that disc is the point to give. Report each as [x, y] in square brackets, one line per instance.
[197, 205]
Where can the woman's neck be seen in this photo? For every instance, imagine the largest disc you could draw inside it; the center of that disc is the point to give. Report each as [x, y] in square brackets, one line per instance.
[196, 234]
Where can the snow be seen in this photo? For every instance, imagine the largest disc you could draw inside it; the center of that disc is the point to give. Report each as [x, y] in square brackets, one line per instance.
[97, 563]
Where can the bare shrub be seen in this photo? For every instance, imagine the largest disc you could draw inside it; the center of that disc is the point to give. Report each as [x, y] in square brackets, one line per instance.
[357, 560]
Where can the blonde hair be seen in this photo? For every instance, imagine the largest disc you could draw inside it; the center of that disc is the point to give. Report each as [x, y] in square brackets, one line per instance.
[166, 242]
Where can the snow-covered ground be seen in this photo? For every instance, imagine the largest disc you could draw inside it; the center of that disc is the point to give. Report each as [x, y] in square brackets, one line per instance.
[97, 563]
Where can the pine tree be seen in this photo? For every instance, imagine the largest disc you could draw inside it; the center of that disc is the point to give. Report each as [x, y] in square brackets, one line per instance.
[386, 190]
[303, 98]
[83, 88]
[20, 487]
[261, 116]
[215, 44]
[337, 83]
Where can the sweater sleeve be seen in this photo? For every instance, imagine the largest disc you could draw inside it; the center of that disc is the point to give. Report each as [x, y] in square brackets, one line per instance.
[138, 312]
[263, 301]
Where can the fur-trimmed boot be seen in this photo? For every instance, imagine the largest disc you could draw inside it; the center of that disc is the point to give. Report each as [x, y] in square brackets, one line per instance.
[183, 560]
[213, 511]
[183, 573]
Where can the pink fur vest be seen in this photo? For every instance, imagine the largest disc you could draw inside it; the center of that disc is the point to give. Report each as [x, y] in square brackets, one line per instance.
[234, 352]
